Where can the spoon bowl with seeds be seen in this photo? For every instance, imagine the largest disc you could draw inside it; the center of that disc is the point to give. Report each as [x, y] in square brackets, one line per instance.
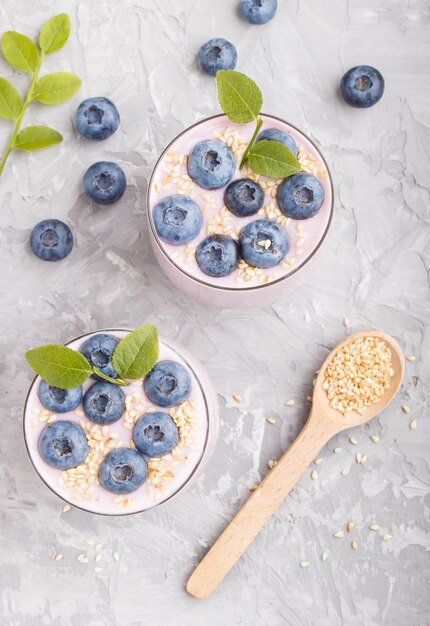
[357, 380]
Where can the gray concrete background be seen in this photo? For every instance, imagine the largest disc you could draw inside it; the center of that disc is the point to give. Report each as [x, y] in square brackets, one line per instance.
[373, 270]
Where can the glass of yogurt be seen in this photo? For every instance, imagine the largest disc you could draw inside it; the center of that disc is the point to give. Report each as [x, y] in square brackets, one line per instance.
[193, 423]
[179, 232]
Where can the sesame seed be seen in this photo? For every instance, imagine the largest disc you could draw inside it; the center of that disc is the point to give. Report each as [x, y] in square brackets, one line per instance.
[90, 542]
[350, 527]
[324, 556]
[346, 322]
[318, 461]
[337, 450]
[98, 558]
[253, 488]
[358, 457]
[304, 564]
[345, 471]
[338, 534]
[115, 556]
[411, 358]
[99, 546]
[290, 403]
[374, 438]
[271, 420]
[237, 398]
[58, 557]
[66, 508]
[353, 441]
[314, 474]
[413, 424]
[387, 537]
[354, 545]
[98, 570]
[374, 527]
[405, 408]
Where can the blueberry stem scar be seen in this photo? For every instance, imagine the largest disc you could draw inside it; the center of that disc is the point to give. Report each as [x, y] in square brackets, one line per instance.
[251, 143]
[20, 117]
[116, 381]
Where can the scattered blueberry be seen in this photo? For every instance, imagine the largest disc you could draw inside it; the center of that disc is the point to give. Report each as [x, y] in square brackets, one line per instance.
[362, 86]
[244, 197]
[63, 445]
[155, 434]
[96, 118]
[59, 400]
[104, 182]
[258, 11]
[217, 255]
[167, 384]
[98, 350]
[177, 219]
[300, 196]
[123, 470]
[217, 54]
[263, 243]
[211, 164]
[51, 240]
[104, 403]
[274, 134]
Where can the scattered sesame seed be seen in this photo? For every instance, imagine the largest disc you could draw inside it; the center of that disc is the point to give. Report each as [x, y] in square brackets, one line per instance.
[237, 398]
[58, 557]
[350, 527]
[346, 322]
[324, 556]
[413, 424]
[345, 471]
[363, 459]
[115, 556]
[358, 457]
[318, 461]
[90, 542]
[387, 537]
[411, 358]
[374, 438]
[290, 403]
[253, 488]
[337, 450]
[353, 441]
[374, 527]
[314, 474]
[271, 463]
[82, 558]
[66, 508]
[405, 408]
[354, 545]
[309, 398]
[98, 558]
[304, 564]
[338, 534]
[99, 546]
[271, 420]
[98, 570]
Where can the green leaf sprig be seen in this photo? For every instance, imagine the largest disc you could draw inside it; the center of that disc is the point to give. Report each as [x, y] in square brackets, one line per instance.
[59, 366]
[23, 54]
[241, 100]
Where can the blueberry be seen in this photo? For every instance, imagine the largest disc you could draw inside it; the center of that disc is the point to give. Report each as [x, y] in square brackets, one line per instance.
[263, 243]
[177, 219]
[211, 164]
[98, 350]
[217, 54]
[244, 197]
[258, 11]
[123, 470]
[104, 182]
[51, 240]
[104, 403]
[167, 384]
[59, 400]
[274, 134]
[63, 445]
[155, 434]
[300, 196]
[362, 86]
[217, 255]
[96, 118]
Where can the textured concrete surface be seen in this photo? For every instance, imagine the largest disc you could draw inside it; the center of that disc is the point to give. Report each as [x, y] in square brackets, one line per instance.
[373, 270]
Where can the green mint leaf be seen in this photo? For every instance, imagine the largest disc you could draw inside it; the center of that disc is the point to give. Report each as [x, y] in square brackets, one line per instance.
[36, 138]
[10, 100]
[273, 159]
[56, 88]
[59, 366]
[239, 97]
[54, 33]
[137, 353]
[20, 51]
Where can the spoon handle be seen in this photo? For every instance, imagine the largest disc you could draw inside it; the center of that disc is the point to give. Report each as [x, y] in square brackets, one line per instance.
[251, 518]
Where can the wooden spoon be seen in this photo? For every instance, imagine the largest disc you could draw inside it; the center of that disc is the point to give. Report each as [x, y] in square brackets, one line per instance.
[323, 423]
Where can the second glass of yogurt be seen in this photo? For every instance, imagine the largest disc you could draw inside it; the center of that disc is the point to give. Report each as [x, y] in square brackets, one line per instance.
[248, 284]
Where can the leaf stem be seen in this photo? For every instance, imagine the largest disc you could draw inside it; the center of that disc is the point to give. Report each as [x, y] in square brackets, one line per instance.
[20, 117]
[115, 381]
[251, 143]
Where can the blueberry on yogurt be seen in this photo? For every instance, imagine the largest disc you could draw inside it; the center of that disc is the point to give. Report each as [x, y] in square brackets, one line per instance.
[51, 240]
[300, 196]
[258, 11]
[96, 119]
[217, 255]
[98, 350]
[177, 219]
[155, 434]
[123, 471]
[274, 134]
[59, 400]
[244, 197]
[104, 403]
[362, 86]
[217, 54]
[263, 243]
[167, 384]
[63, 445]
[104, 182]
[211, 164]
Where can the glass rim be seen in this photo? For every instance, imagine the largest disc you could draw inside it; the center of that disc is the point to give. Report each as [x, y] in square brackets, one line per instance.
[155, 505]
[248, 287]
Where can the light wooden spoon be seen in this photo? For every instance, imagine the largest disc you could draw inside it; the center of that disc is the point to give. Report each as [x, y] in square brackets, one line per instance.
[323, 423]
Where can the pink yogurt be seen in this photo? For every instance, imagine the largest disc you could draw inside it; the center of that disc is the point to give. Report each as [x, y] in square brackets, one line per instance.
[244, 287]
[169, 478]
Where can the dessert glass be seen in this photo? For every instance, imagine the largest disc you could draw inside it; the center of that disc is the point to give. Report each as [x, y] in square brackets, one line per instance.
[245, 287]
[199, 416]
